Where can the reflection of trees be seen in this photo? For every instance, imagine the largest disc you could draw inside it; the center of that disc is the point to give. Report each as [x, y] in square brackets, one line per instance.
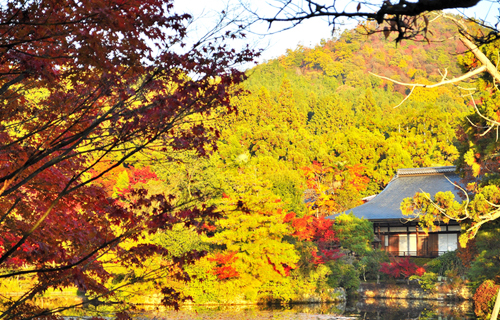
[415, 309]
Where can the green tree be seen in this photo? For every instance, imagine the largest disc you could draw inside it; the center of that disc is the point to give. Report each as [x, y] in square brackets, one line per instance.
[486, 264]
[254, 229]
[354, 234]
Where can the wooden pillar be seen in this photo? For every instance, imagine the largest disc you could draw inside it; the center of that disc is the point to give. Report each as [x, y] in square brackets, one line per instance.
[407, 241]
[418, 243]
[380, 239]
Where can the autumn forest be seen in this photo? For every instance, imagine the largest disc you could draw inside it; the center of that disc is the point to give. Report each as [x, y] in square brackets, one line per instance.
[126, 169]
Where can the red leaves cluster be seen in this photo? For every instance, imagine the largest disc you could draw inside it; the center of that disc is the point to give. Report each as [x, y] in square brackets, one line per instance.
[315, 174]
[311, 228]
[357, 180]
[319, 231]
[141, 175]
[401, 268]
[224, 268]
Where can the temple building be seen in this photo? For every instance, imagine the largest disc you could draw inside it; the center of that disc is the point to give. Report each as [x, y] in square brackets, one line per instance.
[394, 232]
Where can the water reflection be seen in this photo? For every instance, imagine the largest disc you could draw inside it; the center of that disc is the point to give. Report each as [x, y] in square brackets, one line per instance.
[389, 309]
[370, 309]
[296, 312]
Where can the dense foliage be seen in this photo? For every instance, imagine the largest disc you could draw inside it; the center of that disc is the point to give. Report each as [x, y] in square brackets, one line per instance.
[86, 86]
[484, 299]
[313, 137]
[486, 262]
[141, 177]
[402, 268]
[477, 137]
[477, 210]
[320, 104]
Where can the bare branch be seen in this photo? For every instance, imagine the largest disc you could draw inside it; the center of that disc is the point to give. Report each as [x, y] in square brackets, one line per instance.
[401, 15]
[463, 77]
[406, 98]
[490, 68]
[491, 121]
[464, 88]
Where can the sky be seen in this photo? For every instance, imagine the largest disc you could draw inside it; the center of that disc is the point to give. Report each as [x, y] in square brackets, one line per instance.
[308, 34]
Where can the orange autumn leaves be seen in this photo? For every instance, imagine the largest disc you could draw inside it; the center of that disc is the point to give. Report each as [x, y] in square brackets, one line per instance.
[224, 268]
[331, 189]
[319, 231]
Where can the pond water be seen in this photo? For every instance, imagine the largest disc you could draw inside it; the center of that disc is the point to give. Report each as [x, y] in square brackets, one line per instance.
[386, 309]
[389, 309]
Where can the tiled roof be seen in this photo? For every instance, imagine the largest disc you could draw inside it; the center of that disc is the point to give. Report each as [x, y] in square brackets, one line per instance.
[430, 170]
[407, 182]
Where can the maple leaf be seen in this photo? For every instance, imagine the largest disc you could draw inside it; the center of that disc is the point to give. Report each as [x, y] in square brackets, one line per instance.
[83, 93]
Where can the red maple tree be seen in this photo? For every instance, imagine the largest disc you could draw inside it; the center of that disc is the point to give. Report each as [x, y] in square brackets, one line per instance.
[86, 85]
[224, 268]
[319, 231]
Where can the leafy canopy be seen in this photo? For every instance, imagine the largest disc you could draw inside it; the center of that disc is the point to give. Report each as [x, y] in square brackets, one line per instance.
[85, 86]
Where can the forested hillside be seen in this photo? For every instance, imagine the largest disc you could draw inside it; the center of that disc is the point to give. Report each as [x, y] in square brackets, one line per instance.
[314, 135]
[321, 104]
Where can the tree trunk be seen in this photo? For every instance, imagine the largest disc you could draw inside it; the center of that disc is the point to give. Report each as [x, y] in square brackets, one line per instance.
[490, 67]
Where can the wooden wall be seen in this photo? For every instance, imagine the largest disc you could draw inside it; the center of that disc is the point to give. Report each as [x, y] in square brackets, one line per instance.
[394, 244]
[427, 244]
[433, 244]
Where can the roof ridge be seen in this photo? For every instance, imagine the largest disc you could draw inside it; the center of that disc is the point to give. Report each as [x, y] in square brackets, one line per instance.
[425, 171]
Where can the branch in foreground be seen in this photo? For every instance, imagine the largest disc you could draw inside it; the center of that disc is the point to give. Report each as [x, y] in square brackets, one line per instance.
[463, 77]
[444, 81]
[400, 15]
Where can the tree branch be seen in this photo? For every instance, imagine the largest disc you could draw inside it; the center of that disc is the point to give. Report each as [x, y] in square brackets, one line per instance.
[7, 254]
[421, 6]
[463, 77]
[489, 67]
[298, 11]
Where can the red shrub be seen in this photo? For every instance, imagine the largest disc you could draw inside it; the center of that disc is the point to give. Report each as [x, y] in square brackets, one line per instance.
[484, 299]
[402, 268]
